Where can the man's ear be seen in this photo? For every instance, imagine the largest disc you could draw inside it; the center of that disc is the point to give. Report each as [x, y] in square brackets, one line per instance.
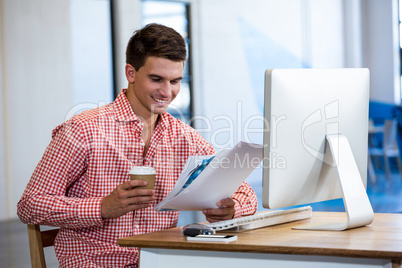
[130, 73]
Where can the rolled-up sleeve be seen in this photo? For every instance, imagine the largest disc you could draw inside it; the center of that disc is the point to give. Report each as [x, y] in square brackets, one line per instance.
[246, 201]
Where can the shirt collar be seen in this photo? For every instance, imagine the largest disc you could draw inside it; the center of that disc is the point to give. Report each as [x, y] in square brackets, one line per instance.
[122, 108]
[163, 120]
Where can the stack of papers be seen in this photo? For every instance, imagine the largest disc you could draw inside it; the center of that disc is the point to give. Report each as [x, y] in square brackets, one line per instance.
[202, 184]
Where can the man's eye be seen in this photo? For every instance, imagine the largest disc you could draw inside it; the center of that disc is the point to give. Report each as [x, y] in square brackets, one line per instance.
[175, 82]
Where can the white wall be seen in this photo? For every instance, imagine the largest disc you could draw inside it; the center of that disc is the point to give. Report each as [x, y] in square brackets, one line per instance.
[353, 35]
[36, 87]
[381, 48]
[91, 52]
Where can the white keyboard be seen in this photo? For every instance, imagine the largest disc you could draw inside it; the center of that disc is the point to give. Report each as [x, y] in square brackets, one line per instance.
[262, 219]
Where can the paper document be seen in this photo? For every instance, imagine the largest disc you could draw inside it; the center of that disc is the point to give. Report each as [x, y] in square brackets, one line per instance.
[205, 180]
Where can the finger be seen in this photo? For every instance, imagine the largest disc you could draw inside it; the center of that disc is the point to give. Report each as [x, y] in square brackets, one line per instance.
[216, 219]
[218, 211]
[225, 206]
[141, 200]
[213, 215]
[134, 183]
[226, 203]
[136, 202]
[213, 212]
[140, 192]
[131, 184]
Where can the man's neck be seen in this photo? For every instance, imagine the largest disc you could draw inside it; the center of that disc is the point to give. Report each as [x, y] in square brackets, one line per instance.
[148, 118]
[149, 122]
[147, 132]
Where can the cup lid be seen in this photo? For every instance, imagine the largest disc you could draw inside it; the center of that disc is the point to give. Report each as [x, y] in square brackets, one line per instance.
[142, 170]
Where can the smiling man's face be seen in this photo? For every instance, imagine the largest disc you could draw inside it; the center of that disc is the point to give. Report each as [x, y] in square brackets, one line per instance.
[154, 86]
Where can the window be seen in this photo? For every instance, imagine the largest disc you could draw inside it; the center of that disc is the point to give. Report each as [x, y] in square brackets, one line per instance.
[175, 15]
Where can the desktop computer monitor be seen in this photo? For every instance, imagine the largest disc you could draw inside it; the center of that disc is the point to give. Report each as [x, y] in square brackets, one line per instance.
[315, 148]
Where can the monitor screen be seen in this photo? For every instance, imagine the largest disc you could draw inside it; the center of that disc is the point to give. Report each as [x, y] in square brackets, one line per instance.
[306, 112]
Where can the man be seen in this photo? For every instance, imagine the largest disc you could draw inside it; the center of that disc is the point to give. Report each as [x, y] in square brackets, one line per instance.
[82, 184]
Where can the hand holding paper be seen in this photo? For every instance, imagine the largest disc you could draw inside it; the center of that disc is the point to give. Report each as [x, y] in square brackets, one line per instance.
[225, 211]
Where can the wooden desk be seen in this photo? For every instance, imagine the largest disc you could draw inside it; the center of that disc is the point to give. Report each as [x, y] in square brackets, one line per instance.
[376, 245]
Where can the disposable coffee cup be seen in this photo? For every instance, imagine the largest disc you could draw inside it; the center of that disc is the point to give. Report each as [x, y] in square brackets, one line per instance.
[144, 173]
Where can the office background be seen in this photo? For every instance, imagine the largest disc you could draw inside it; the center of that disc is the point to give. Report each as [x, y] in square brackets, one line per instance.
[57, 56]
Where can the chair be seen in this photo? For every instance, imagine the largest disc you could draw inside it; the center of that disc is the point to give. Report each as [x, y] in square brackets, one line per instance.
[37, 241]
[389, 148]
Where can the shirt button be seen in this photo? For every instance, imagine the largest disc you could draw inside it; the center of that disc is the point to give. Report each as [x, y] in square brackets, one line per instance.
[137, 226]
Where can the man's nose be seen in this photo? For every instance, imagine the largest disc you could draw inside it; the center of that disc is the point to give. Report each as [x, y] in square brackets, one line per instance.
[166, 89]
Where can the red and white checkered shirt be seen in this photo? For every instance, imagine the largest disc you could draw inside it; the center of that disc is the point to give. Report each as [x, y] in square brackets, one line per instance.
[89, 156]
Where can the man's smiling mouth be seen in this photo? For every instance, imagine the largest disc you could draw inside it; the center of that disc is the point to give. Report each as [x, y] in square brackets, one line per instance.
[161, 101]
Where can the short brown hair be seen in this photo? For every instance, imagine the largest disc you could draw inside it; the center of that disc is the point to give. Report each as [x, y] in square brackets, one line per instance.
[155, 40]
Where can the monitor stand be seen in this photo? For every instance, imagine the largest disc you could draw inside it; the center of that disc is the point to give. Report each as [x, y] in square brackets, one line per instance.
[357, 205]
